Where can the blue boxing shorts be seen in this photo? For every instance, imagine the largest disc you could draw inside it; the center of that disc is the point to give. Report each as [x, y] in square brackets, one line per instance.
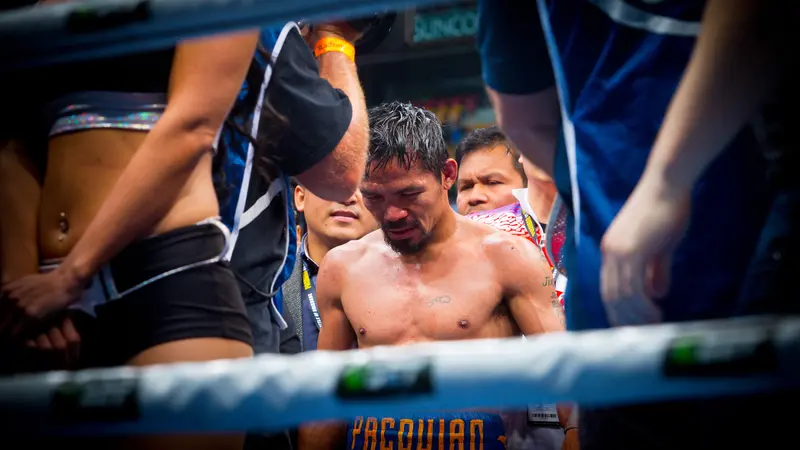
[461, 431]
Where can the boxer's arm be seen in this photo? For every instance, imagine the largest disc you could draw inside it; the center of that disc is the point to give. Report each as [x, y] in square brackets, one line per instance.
[733, 65]
[336, 334]
[519, 77]
[207, 74]
[527, 283]
[20, 192]
[531, 298]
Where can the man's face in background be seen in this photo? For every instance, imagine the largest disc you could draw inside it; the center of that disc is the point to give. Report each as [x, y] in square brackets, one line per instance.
[332, 222]
[486, 179]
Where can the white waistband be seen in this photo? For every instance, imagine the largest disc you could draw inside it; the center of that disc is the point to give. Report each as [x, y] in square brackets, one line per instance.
[91, 296]
[95, 295]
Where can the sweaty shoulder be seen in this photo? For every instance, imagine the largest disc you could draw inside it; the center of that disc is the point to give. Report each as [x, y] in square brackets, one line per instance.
[502, 248]
[352, 252]
[343, 255]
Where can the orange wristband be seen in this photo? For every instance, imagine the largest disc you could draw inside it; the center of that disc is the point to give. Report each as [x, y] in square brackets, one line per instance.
[332, 44]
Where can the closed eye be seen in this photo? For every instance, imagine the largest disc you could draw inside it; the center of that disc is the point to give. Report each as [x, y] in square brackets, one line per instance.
[370, 197]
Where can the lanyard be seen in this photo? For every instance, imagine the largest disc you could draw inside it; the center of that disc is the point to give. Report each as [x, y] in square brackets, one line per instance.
[535, 231]
[310, 293]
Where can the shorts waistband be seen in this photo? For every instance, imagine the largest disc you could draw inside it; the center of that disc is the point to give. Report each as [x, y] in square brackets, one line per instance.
[152, 259]
[433, 431]
[89, 110]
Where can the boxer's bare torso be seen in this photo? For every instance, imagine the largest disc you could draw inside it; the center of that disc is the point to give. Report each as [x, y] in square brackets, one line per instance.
[478, 283]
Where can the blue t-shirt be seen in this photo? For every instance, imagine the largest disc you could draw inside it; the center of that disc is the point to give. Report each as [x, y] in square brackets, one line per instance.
[617, 65]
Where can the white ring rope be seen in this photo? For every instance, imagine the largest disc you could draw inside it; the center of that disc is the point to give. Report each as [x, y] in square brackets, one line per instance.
[50, 34]
[626, 365]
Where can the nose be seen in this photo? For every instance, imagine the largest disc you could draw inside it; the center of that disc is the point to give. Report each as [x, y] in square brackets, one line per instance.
[394, 214]
[353, 199]
[477, 196]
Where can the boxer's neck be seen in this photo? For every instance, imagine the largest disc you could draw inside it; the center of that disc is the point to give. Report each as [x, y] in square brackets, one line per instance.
[541, 196]
[445, 226]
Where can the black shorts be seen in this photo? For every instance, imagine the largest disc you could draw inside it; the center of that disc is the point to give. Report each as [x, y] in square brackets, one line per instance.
[201, 302]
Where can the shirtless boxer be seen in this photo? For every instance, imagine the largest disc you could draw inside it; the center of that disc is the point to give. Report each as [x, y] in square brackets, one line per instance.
[427, 275]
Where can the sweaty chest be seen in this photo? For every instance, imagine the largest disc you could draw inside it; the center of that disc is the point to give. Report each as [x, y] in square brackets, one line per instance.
[404, 305]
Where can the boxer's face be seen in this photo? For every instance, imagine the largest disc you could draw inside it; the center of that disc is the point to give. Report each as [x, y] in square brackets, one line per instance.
[334, 222]
[486, 179]
[407, 203]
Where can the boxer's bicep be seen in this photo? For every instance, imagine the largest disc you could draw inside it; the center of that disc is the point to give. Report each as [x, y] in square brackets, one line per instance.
[528, 286]
[336, 332]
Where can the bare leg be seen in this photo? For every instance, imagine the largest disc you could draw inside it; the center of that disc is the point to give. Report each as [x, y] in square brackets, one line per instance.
[203, 349]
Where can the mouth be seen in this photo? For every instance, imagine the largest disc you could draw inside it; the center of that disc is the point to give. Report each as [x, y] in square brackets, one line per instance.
[400, 233]
[481, 207]
[343, 215]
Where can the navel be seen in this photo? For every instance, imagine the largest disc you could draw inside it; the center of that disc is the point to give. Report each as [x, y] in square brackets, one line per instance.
[63, 226]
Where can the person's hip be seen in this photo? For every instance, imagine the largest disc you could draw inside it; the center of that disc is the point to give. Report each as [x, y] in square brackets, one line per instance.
[170, 287]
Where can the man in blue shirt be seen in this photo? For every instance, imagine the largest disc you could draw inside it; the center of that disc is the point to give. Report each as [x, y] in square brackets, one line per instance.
[606, 72]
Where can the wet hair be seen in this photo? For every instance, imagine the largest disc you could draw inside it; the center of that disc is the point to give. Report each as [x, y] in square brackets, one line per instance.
[406, 135]
[485, 139]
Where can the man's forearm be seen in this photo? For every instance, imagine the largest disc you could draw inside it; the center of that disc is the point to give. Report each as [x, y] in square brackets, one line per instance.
[338, 175]
[732, 67]
[342, 73]
[322, 436]
[532, 122]
[567, 415]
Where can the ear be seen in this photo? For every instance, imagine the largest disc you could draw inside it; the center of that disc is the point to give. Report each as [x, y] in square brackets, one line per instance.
[299, 198]
[450, 173]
